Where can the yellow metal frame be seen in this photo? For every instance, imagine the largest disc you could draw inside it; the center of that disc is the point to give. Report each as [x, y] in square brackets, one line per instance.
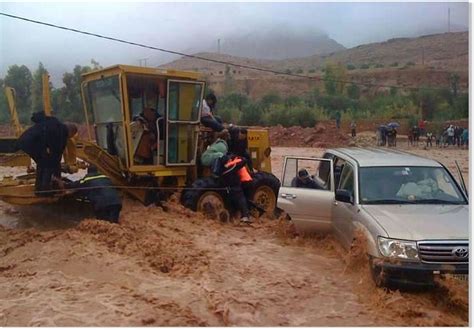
[195, 123]
[123, 71]
[10, 94]
[258, 139]
[165, 73]
[46, 96]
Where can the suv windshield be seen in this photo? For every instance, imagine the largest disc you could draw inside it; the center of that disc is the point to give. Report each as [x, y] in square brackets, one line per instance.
[408, 185]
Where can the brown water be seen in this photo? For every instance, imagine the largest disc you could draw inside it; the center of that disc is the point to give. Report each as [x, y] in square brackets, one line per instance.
[178, 268]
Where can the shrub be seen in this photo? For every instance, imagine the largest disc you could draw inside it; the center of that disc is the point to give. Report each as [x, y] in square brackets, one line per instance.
[365, 66]
[251, 115]
[230, 115]
[303, 116]
[311, 70]
[350, 67]
[299, 71]
[379, 65]
[394, 64]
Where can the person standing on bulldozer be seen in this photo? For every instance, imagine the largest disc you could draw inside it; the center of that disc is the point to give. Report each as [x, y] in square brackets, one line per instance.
[45, 142]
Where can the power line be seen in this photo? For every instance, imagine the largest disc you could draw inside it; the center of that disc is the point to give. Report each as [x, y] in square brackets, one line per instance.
[243, 66]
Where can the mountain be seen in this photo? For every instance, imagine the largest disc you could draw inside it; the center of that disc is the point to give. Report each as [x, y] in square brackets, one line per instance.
[446, 51]
[422, 61]
[279, 43]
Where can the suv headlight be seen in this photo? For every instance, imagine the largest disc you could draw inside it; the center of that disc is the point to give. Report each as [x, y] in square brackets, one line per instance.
[395, 248]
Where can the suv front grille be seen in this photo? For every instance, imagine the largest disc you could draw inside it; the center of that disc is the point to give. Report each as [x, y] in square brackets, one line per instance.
[444, 252]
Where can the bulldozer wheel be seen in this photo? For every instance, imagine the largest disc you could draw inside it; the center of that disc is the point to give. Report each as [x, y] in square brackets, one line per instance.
[202, 193]
[210, 199]
[265, 191]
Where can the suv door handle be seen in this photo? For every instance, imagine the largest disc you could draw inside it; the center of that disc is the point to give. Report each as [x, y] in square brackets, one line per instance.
[288, 196]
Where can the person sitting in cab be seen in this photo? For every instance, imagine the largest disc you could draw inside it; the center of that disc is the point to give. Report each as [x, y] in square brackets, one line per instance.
[304, 180]
[148, 142]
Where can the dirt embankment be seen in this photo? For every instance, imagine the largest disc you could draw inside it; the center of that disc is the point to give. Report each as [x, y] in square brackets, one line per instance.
[323, 135]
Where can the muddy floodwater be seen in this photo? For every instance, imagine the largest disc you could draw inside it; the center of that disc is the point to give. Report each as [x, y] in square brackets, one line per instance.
[174, 267]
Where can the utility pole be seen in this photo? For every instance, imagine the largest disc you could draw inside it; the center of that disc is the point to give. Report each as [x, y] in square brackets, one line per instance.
[142, 60]
[449, 19]
[423, 56]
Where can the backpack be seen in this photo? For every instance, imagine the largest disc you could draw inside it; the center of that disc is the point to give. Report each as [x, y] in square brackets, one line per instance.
[217, 166]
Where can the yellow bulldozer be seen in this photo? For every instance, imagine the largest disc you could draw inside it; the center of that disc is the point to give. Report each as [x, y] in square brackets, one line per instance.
[112, 98]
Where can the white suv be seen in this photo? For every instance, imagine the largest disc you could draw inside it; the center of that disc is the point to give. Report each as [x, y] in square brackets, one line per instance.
[412, 211]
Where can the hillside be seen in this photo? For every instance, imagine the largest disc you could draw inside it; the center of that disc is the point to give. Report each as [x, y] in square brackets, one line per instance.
[280, 44]
[447, 51]
[394, 62]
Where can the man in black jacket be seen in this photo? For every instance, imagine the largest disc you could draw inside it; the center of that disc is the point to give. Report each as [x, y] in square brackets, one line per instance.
[98, 189]
[238, 144]
[45, 142]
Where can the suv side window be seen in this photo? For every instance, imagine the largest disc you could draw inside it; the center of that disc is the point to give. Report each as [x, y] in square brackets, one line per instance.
[347, 179]
[338, 168]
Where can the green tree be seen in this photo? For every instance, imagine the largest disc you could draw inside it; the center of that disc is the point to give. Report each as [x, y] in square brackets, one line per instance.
[353, 91]
[234, 100]
[311, 98]
[68, 103]
[20, 78]
[4, 114]
[228, 81]
[37, 88]
[269, 99]
[334, 78]
[454, 83]
[95, 65]
[292, 101]
[251, 115]
[428, 101]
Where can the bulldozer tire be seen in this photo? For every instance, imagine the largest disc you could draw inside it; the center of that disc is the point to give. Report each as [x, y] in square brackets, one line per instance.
[265, 191]
[204, 194]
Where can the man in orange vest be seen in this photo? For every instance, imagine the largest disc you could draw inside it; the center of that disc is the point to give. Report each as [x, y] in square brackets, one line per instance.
[235, 176]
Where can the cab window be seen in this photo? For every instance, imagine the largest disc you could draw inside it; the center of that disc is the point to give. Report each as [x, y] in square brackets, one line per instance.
[183, 118]
[146, 103]
[103, 100]
[347, 179]
[307, 173]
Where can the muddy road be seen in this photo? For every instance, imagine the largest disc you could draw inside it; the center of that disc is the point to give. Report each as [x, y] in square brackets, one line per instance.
[174, 267]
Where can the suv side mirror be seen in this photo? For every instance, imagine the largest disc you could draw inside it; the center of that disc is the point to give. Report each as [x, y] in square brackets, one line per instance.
[344, 196]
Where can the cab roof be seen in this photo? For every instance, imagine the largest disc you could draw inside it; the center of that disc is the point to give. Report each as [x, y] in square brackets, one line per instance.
[121, 68]
[370, 157]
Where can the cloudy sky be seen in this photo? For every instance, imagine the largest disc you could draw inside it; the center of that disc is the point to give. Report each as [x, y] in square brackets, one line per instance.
[187, 26]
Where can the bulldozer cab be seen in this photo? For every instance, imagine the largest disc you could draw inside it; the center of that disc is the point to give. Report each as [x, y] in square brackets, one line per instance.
[148, 118]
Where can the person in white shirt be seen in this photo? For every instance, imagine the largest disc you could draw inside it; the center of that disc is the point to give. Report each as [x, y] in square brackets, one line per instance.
[207, 116]
[450, 132]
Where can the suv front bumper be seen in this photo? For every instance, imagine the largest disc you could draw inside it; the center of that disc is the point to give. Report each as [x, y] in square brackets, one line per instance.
[414, 273]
